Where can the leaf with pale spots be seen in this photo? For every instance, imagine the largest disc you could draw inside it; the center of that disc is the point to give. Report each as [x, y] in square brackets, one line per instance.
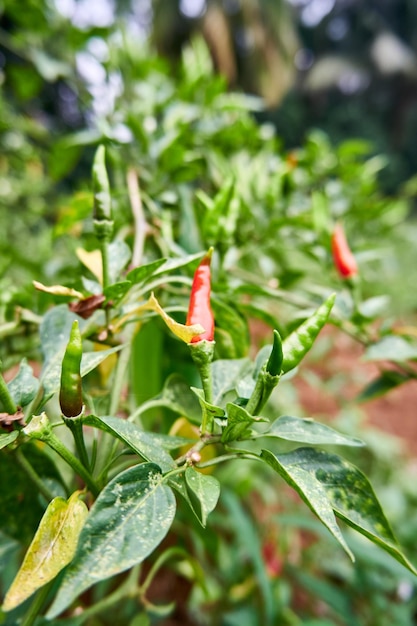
[328, 483]
[306, 430]
[127, 522]
[52, 548]
[204, 493]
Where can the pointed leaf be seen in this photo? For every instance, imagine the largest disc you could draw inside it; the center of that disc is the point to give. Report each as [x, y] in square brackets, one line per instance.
[321, 478]
[239, 423]
[391, 349]
[306, 484]
[206, 489]
[141, 442]
[183, 332]
[52, 548]
[58, 290]
[383, 384]
[141, 274]
[306, 430]
[24, 387]
[117, 291]
[127, 522]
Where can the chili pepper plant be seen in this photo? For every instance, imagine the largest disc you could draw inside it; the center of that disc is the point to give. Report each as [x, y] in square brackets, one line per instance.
[115, 485]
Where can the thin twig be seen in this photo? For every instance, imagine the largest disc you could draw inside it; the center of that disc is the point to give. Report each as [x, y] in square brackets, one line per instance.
[141, 225]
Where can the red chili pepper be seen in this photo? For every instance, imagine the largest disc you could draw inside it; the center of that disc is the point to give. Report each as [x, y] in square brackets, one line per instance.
[343, 258]
[199, 310]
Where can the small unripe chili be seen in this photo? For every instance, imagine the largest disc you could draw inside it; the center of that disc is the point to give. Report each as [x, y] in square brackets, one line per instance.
[299, 342]
[199, 311]
[343, 258]
[274, 363]
[70, 395]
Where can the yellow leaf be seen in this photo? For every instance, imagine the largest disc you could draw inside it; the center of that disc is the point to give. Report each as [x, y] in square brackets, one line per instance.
[186, 333]
[58, 290]
[52, 548]
[92, 260]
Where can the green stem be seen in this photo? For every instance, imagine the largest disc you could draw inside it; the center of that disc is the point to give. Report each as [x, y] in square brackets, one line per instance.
[54, 443]
[76, 427]
[36, 606]
[165, 556]
[6, 400]
[228, 457]
[33, 476]
[265, 383]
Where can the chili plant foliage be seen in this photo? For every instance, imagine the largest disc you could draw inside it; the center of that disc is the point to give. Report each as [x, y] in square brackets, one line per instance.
[109, 500]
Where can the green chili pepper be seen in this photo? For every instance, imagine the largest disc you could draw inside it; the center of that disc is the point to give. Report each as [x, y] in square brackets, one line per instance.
[298, 343]
[103, 219]
[70, 396]
[274, 363]
[6, 401]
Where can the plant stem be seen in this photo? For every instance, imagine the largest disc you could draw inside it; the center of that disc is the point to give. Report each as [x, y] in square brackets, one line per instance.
[141, 225]
[76, 427]
[53, 442]
[165, 556]
[33, 476]
[228, 457]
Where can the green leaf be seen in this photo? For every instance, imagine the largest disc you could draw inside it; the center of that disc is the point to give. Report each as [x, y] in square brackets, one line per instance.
[117, 291]
[231, 322]
[302, 477]
[7, 438]
[206, 490]
[141, 274]
[226, 375]
[176, 264]
[119, 256]
[52, 548]
[51, 375]
[382, 385]
[216, 412]
[306, 430]
[325, 480]
[24, 387]
[127, 522]
[239, 423]
[391, 349]
[142, 443]
[177, 396]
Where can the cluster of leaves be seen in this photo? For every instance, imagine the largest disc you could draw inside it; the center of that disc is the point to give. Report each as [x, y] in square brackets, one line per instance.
[194, 170]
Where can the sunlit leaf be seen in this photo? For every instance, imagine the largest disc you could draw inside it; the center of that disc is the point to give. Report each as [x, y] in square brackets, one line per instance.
[52, 548]
[127, 522]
